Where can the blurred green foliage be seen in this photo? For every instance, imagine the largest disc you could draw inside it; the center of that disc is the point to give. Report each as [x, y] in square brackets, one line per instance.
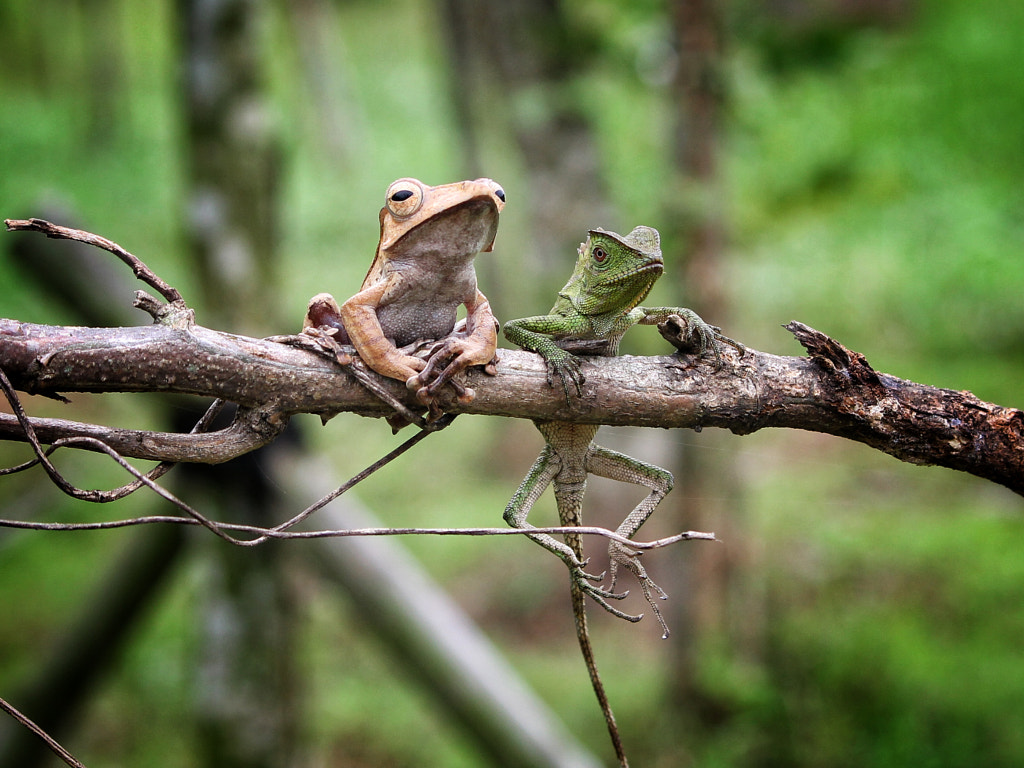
[873, 188]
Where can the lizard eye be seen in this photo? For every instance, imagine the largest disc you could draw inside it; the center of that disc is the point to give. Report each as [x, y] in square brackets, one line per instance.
[404, 197]
[600, 254]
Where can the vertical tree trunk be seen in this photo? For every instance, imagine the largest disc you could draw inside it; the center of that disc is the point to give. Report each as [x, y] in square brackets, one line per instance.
[514, 62]
[245, 678]
[232, 159]
[707, 496]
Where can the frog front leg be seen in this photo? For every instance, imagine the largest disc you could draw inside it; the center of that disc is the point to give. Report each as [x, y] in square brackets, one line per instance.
[359, 316]
[476, 345]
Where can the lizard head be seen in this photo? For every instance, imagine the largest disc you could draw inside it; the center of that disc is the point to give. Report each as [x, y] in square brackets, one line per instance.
[614, 273]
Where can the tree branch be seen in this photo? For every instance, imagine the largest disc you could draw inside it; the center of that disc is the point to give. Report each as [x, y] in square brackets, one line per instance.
[57, 232]
[834, 391]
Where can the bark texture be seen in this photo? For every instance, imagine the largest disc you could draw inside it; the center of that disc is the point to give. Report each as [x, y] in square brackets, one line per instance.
[832, 390]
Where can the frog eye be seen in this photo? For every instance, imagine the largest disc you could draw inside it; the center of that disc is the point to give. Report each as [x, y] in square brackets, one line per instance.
[404, 197]
[496, 190]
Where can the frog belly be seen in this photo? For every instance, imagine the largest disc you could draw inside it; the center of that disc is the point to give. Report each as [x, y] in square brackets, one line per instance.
[408, 322]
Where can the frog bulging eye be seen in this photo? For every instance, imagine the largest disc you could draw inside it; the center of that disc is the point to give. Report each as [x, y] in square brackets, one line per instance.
[495, 189]
[404, 197]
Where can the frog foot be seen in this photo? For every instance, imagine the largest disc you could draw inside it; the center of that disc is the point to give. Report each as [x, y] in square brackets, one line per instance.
[323, 337]
[445, 361]
[687, 332]
[621, 555]
[427, 382]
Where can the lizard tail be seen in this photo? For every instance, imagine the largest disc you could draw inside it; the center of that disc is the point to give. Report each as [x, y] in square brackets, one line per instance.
[579, 610]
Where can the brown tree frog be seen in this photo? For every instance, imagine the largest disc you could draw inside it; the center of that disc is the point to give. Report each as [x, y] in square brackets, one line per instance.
[422, 272]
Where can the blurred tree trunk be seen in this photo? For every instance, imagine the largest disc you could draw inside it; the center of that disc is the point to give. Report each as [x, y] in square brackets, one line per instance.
[233, 162]
[104, 65]
[245, 676]
[708, 495]
[512, 66]
[315, 25]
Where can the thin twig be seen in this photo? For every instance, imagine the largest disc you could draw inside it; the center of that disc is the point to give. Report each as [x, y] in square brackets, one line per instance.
[57, 749]
[142, 272]
[98, 445]
[354, 480]
[277, 533]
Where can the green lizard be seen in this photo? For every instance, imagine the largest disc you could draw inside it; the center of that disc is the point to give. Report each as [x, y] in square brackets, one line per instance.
[595, 308]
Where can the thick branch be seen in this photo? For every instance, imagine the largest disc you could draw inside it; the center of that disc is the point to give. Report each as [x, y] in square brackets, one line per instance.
[833, 391]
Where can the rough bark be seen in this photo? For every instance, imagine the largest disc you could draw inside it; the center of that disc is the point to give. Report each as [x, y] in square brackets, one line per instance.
[833, 390]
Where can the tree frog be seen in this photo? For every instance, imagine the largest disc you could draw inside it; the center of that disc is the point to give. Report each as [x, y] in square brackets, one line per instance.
[422, 271]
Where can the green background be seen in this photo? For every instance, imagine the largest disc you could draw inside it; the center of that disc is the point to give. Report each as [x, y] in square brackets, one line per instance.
[871, 185]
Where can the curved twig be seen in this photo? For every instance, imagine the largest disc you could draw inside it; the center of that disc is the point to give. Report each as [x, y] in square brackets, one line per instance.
[262, 534]
[57, 232]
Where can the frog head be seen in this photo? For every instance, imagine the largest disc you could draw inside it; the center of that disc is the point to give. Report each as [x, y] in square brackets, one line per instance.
[437, 226]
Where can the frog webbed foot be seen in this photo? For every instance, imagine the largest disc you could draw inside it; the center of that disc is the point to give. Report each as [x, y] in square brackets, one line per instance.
[687, 332]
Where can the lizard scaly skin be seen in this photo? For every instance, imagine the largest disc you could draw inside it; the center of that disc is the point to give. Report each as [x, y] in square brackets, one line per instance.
[598, 304]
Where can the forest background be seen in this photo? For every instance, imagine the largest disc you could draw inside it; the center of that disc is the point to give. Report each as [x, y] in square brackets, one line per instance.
[860, 171]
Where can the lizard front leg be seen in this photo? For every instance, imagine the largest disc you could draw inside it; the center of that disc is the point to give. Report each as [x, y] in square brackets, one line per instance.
[617, 466]
[688, 332]
[536, 335]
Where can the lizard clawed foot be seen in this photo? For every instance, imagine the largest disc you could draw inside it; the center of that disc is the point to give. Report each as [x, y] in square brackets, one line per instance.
[630, 559]
[585, 582]
[567, 368]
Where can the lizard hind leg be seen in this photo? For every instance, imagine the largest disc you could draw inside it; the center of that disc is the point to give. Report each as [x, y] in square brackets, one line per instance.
[617, 466]
[543, 472]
